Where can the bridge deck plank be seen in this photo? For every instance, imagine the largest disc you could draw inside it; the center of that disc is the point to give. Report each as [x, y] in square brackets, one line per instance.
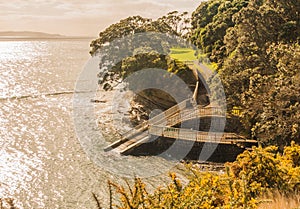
[161, 125]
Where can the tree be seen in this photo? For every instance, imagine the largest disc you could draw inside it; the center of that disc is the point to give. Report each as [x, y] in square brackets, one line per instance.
[259, 73]
[256, 44]
[174, 23]
[129, 26]
[209, 25]
[179, 22]
[279, 117]
[136, 43]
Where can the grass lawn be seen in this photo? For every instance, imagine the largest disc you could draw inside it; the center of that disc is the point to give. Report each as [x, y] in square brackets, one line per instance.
[188, 54]
[183, 54]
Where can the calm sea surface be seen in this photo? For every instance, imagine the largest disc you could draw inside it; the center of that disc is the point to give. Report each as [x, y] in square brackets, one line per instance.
[42, 164]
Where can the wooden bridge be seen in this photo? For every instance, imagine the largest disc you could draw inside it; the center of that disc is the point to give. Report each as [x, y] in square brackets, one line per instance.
[161, 125]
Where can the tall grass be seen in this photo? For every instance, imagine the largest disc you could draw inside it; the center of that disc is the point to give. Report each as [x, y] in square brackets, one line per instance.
[279, 201]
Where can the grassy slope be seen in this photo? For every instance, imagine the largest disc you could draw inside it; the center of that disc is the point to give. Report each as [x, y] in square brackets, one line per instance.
[188, 54]
[183, 54]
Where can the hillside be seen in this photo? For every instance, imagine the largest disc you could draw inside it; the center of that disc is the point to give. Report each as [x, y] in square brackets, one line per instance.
[36, 35]
[29, 34]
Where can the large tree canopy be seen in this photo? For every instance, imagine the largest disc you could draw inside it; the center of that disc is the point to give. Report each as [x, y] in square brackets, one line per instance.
[210, 22]
[256, 44]
[137, 43]
[129, 26]
[174, 23]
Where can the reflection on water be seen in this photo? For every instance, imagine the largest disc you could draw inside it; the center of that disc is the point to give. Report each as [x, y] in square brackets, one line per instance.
[32, 67]
[42, 164]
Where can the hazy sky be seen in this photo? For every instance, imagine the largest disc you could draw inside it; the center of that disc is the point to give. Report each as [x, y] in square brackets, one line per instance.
[81, 17]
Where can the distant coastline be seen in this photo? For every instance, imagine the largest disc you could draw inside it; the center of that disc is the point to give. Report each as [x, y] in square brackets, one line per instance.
[31, 35]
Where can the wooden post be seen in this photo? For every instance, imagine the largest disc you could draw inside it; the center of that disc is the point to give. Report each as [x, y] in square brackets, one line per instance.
[195, 72]
[196, 92]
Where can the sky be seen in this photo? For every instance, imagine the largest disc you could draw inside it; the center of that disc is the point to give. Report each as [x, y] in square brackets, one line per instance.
[81, 17]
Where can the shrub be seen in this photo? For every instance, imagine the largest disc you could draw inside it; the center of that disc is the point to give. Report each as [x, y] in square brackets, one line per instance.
[253, 174]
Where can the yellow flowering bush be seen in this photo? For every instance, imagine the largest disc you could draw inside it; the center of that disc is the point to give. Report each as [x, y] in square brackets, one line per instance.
[253, 174]
[266, 168]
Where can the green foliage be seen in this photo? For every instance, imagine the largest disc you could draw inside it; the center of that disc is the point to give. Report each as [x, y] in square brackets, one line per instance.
[173, 23]
[129, 26]
[210, 22]
[128, 40]
[179, 22]
[269, 94]
[145, 60]
[256, 46]
[246, 180]
[265, 168]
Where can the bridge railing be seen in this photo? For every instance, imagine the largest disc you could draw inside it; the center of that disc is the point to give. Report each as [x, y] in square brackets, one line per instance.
[158, 119]
[195, 113]
[175, 115]
[193, 135]
[171, 111]
[172, 116]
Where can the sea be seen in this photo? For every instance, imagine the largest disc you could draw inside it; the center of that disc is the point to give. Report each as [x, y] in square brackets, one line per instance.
[42, 161]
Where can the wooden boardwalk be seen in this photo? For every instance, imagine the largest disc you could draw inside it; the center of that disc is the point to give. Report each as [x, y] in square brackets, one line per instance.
[197, 136]
[161, 125]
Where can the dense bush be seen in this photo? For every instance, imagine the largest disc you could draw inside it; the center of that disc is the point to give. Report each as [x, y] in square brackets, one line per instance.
[253, 174]
[256, 46]
[265, 168]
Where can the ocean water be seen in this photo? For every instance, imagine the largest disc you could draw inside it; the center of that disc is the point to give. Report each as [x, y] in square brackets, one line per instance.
[42, 163]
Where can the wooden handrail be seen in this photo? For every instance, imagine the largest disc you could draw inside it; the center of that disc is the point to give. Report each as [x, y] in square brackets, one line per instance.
[193, 135]
[178, 113]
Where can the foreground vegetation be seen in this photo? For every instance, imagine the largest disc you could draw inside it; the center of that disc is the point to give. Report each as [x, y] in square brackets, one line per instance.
[249, 182]
[254, 47]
